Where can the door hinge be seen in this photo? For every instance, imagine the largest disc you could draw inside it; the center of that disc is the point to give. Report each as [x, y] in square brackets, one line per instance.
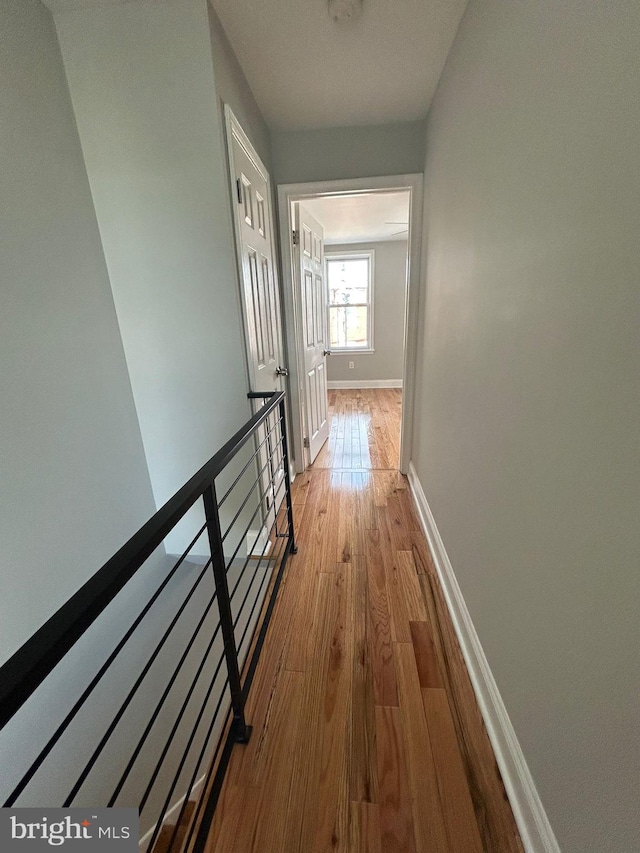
[305, 442]
[295, 236]
[239, 190]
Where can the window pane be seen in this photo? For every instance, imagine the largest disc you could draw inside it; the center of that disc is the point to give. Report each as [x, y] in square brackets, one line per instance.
[348, 281]
[348, 326]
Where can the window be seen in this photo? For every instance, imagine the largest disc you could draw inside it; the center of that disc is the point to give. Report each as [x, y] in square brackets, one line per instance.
[349, 282]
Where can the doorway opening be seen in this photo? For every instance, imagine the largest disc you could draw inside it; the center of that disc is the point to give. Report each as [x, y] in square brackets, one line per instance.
[350, 252]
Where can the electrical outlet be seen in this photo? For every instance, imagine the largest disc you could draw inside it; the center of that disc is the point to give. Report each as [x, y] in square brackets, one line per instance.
[352, 364]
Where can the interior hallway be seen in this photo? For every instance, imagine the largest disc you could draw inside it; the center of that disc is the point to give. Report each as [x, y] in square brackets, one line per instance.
[367, 736]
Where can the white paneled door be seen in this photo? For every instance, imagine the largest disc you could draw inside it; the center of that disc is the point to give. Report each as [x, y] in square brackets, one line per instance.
[310, 260]
[256, 247]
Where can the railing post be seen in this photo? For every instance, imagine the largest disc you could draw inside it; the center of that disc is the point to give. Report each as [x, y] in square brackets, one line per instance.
[242, 732]
[287, 478]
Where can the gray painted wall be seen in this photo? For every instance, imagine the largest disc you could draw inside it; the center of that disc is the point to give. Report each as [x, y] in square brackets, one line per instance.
[76, 485]
[143, 88]
[526, 427]
[71, 454]
[389, 294]
[347, 152]
[233, 89]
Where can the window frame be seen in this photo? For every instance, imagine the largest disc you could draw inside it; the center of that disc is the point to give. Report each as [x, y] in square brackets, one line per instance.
[369, 254]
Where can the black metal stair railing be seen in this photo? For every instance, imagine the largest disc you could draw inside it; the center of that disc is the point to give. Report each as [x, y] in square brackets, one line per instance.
[185, 662]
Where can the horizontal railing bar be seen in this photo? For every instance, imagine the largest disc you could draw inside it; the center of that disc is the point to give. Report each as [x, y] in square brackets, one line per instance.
[187, 749]
[216, 787]
[134, 689]
[253, 456]
[249, 587]
[249, 493]
[212, 766]
[30, 665]
[163, 698]
[263, 495]
[256, 597]
[271, 558]
[265, 622]
[97, 678]
[249, 556]
[178, 720]
[261, 395]
[194, 775]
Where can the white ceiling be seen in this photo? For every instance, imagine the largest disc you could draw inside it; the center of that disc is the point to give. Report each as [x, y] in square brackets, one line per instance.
[363, 218]
[307, 71]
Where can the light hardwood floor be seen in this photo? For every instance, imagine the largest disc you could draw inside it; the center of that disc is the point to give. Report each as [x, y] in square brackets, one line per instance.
[367, 737]
[364, 430]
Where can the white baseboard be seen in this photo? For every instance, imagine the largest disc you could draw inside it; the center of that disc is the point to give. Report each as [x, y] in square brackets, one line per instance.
[533, 824]
[364, 383]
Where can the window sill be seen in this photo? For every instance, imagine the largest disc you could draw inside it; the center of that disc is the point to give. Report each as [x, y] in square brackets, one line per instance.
[355, 351]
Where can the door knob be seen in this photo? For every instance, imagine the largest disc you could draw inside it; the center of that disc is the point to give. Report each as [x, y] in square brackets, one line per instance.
[326, 352]
[282, 371]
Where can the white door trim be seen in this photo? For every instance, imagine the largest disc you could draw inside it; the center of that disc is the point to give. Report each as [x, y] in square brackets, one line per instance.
[289, 193]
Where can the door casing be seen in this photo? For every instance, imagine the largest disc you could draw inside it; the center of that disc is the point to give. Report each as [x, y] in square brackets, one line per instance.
[288, 194]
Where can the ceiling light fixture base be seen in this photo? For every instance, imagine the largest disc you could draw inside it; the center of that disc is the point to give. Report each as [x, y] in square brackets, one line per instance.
[345, 10]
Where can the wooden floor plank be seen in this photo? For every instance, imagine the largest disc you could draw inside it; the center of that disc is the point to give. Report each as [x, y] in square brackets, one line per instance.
[425, 655]
[363, 784]
[302, 806]
[365, 829]
[459, 816]
[300, 647]
[385, 689]
[329, 546]
[421, 554]
[274, 764]
[300, 488]
[405, 596]
[236, 822]
[399, 521]
[332, 801]
[395, 813]
[346, 520]
[365, 507]
[319, 804]
[428, 818]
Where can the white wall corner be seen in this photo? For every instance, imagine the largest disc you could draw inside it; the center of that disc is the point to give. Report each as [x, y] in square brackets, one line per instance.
[531, 818]
[364, 383]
